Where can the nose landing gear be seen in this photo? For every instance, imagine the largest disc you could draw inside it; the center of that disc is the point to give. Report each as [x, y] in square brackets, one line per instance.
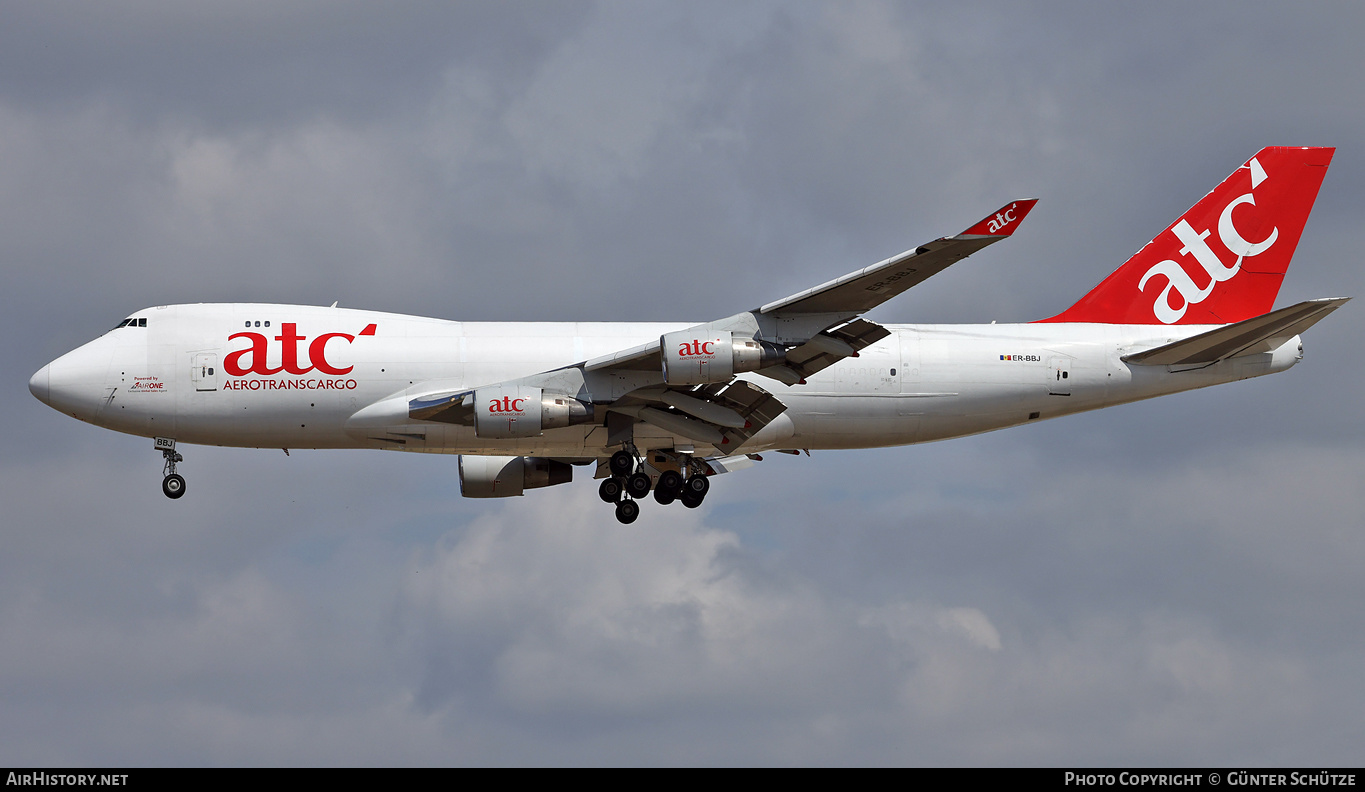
[173, 484]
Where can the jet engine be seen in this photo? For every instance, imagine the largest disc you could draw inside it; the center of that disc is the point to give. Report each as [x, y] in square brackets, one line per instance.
[692, 358]
[504, 477]
[524, 411]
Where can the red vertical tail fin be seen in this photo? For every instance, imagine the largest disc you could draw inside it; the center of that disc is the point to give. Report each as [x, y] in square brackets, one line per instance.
[1224, 259]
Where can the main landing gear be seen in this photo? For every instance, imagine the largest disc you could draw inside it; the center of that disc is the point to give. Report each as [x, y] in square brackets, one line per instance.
[629, 483]
[173, 484]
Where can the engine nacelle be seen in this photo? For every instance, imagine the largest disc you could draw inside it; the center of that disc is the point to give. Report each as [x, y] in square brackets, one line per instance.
[692, 358]
[504, 477]
[524, 411]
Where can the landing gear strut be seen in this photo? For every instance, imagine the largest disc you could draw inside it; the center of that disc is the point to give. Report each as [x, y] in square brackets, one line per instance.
[172, 483]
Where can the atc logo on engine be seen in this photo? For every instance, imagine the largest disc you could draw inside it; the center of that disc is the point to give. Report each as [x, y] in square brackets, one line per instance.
[507, 405]
[697, 348]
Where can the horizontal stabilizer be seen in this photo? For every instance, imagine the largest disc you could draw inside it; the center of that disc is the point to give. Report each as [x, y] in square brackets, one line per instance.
[1251, 336]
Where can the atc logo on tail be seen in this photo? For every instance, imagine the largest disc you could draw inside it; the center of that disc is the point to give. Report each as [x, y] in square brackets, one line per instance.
[1189, 275]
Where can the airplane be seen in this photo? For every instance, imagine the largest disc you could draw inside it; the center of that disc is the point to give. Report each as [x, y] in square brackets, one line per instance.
[664, 407]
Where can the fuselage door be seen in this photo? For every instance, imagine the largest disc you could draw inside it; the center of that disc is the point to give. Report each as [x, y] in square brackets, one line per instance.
[204, 371]
[908, 370]
[1059, 376]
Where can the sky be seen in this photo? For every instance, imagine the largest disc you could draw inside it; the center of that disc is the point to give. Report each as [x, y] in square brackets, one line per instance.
[1175, 582]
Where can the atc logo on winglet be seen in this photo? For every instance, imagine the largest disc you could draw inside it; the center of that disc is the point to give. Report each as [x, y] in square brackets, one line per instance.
[1004, 222]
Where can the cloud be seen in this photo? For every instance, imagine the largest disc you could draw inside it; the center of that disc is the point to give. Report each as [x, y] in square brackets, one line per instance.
[1166, 582]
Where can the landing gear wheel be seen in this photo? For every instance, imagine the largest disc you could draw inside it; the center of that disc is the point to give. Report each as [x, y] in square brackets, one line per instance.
[668, 488]
[610, 490]
[173, 485]
[699, 486]
[638, 485]
[627, 511]
[691, 499]
[670, 480]
[622, 463]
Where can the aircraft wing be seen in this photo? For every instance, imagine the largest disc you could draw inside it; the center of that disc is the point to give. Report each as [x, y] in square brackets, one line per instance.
[820, 351]
[721, 415]
[685, 384]
[1249, 337]
[867, 288]
[819, 324]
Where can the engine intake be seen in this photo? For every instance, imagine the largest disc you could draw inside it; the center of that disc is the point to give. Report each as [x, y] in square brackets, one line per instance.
[692, 358]
[524, 411]
[505, 477]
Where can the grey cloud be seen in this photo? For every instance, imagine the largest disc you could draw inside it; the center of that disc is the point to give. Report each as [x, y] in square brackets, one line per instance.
[1163, 583]
[248, 65]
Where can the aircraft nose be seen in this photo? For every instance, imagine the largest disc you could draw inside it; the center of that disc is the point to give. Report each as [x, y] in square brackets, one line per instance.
[73, 383]
[40, 385]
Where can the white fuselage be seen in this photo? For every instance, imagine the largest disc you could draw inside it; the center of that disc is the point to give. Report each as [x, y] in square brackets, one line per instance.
[337, 378]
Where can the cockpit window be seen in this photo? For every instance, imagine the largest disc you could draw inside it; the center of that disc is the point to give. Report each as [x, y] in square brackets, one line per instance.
[137, 322]
[142, 323]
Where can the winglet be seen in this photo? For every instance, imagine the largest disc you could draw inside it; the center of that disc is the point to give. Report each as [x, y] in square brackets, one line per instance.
[1003, 222]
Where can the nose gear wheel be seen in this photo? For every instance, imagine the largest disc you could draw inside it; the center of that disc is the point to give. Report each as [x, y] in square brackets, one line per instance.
[172, 483]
